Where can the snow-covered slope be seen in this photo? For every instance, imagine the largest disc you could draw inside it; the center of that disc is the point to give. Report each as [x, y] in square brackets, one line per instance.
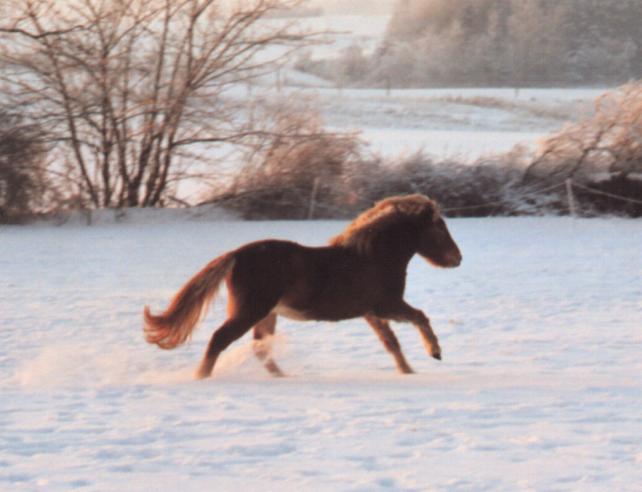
[540, 387]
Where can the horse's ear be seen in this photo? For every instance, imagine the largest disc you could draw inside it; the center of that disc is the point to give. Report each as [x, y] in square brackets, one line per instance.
[428, 216]
[434, 212]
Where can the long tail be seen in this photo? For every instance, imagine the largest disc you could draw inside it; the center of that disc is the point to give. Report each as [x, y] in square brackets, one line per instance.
[175, 325]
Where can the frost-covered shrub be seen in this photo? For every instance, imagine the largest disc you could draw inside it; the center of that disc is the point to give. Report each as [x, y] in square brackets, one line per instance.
[462, 189]
[603, 152]
[297, 172]
[608, 143]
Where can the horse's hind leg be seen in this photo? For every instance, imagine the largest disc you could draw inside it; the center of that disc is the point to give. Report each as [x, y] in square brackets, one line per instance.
[233, 329]
[263, 330]
[389, 340]
[238, 324]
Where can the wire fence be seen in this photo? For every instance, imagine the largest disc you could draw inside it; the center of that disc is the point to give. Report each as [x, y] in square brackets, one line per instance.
[307, 204]
[502, 202]
[569, 184]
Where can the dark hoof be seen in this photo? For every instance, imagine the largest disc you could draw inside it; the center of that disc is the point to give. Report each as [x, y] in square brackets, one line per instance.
[437, 356]
[201, 374]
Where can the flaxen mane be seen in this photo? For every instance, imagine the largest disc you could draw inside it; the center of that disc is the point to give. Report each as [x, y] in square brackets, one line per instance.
[385, 212]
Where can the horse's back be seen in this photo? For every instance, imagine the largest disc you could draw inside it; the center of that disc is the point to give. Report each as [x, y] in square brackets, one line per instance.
[264, 267]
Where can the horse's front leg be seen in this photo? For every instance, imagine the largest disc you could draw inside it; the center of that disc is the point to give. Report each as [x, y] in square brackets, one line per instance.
[389, 340]
[405, 312]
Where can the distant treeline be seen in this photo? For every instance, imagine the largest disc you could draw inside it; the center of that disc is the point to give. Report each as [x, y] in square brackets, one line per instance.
[502, 43]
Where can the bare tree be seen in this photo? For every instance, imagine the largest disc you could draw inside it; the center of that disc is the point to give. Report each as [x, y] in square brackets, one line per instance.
[134, 91]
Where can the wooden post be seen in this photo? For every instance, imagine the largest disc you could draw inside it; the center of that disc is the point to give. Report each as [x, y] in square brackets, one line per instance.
[570, 197]
[250, 104]
[313, 198]
[279, 82]
[250, 112]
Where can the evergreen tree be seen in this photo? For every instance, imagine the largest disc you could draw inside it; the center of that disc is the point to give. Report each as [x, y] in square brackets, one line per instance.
[519, 42]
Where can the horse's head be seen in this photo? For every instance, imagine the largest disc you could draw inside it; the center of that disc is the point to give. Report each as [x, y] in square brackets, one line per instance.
[403, 216]
[436, 244]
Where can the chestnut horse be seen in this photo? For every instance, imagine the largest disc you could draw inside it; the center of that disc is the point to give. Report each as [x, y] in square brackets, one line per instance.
[361, 273]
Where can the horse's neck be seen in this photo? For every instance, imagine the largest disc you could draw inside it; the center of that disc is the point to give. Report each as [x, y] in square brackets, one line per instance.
[404, 238]
[396, 250]
[398, 257]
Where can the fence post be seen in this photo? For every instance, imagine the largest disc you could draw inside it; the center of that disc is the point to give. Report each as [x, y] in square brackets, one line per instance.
[279, 82]
[313, 198]
[570, 197]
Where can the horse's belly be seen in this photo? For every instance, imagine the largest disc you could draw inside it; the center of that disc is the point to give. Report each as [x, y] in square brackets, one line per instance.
[315, 313]
[290, 312]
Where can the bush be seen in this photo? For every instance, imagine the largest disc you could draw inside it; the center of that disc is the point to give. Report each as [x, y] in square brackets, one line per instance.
[22, 175]
[603, 153]
[602, 197]
[297, 171]
[486, 187]
[608, 143]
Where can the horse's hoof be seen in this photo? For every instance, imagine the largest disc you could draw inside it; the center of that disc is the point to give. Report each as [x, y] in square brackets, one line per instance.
[437, 356]
[201, 375]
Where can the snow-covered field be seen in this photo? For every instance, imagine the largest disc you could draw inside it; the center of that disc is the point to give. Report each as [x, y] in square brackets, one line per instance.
[464, 123]
[540, 387]
[541, 330]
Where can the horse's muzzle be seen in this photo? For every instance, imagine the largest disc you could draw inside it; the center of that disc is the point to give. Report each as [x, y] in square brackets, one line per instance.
[454, 260]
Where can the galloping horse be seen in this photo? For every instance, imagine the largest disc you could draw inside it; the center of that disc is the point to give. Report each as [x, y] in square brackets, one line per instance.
[361, 273]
